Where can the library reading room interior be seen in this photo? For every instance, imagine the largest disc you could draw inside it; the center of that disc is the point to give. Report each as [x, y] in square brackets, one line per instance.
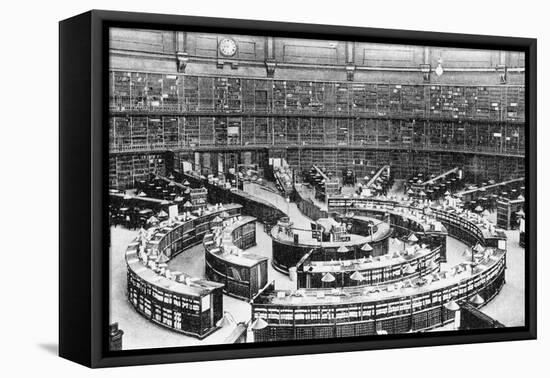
[265, 189]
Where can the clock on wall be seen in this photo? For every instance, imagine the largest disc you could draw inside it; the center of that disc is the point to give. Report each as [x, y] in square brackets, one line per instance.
[227, 47]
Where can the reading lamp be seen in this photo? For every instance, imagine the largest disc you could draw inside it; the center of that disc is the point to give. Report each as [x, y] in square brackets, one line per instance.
[258, 324]
[227, 320]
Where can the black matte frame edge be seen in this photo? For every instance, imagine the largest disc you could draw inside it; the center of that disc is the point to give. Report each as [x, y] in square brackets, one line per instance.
[97, 282]
[75, 337]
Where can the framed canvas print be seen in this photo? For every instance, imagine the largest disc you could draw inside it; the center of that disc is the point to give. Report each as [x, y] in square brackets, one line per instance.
[234, 188]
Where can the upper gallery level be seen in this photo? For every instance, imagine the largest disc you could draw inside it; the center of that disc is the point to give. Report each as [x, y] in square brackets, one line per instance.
[133, 92]
[167, 71]
[309, 59]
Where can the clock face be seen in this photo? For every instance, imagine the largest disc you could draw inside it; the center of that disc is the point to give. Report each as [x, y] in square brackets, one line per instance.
[227, 47]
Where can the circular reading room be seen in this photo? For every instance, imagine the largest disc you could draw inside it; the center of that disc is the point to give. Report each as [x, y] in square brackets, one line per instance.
[269, 189]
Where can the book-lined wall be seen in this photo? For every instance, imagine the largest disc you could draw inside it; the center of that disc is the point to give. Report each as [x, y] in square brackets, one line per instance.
[150, 133]
[147, 92]
[125, 170]
[337, 123]
[333, 160]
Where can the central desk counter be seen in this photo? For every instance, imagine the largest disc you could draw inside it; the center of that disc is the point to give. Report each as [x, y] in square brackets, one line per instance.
[242, 273]
[290, 244]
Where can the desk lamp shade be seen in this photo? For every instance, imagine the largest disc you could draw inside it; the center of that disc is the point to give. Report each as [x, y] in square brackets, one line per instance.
[328, 278]
[343, 249]
[163, 213]
[162, 258]
[478, 248]
[187, 204]
[452, 306]
[478, 209]
[258, 324]
[412, 238]
[186, 183]
[477, 300]
[356, 276]
[226, 321]
[142, 194]
[409, 269]
[366, 247]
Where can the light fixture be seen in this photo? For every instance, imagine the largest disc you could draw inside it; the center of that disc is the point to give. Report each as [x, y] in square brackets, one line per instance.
[439, 69]
[479, 248]
[412, 238]
[409, 269]
[366, 247]
[227, 320]
[343, 249]
[452, 306]
[258, 324]
[477, 300]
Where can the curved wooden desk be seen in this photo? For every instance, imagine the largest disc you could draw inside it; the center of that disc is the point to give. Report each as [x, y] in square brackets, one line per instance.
[243, 274]
[184, 304]
[407, 305]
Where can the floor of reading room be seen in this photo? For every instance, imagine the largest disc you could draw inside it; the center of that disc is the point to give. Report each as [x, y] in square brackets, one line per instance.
[141, 333]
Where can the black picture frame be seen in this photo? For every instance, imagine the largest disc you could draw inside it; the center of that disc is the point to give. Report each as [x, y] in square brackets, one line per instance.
[83, 153]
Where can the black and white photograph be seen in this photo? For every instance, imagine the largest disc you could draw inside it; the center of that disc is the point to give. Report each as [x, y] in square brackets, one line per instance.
[234, 189]
[266, 189]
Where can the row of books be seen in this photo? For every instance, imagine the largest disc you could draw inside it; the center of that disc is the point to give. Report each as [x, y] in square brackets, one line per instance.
[131, 91]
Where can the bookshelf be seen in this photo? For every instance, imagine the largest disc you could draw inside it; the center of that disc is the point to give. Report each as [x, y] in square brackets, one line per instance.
[161, 133]
[191, 307]
[156, 112]
[507, 218]
[137, 91]
[327, 313]
[242, 273]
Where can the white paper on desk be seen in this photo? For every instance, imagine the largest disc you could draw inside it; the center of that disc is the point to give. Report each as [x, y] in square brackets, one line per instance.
[173, 211]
